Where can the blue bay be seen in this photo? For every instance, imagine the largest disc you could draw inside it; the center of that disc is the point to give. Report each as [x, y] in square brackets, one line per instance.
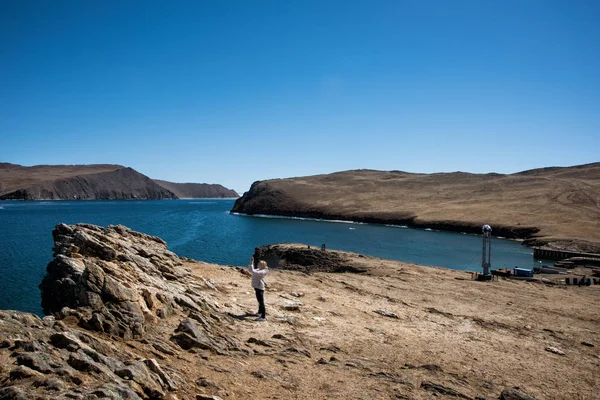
[205, 230]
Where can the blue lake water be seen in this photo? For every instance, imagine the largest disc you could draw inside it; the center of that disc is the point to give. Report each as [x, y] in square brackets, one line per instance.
[205, 230]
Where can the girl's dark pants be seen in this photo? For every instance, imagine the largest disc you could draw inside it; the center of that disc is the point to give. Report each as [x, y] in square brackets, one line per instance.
[260, 296]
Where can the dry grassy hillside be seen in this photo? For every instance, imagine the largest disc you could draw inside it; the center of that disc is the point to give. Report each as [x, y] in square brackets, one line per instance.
[13, 177]
[83, 182]
[556, 206]
[197, 190]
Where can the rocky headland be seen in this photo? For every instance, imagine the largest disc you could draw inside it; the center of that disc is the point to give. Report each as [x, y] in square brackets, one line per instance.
[198, 190]
[128, 319]
[553, 207]
[94, 182]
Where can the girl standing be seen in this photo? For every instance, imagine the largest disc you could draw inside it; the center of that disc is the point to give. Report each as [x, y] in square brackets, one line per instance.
[258, 283]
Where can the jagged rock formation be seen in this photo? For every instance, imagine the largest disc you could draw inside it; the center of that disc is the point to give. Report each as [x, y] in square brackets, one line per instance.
[198, 190]
[106, 287]
[557, 207]
[299, 257]
[79, 182]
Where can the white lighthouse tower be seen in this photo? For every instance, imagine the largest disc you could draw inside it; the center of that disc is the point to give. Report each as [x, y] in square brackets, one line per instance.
[487, 252]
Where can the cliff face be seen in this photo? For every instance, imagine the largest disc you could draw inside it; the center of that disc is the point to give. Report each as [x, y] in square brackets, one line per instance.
[198, 190]
[98, 182]
[559, 207]
[106, 288]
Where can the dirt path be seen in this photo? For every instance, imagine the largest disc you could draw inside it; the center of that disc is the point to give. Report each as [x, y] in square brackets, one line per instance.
[400, 330]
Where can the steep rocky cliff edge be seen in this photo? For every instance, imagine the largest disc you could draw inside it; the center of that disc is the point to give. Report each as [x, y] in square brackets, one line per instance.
[95, 182]
[198, 190]
[128, 319]
[77, 182]
[556, 207]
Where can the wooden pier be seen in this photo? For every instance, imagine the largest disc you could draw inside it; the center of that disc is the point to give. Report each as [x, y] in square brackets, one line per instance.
[551, 254]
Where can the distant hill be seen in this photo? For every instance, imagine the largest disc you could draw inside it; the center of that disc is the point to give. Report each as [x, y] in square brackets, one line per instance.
[85, 182]
[198, 190]
[557, 206]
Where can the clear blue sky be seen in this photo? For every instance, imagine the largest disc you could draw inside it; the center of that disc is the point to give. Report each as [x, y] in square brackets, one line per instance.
[236, 91]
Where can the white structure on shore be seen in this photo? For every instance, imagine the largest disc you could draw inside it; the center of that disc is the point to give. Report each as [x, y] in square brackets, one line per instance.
[487, 251]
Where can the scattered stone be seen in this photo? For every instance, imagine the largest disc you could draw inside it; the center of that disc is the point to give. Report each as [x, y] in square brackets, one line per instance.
[433, 368]
[279, 336]
[140, 374]
[588, 344]
[260, 342]
[207, 397]
[444, 390]
[555, 350]
[66, 340]
[297, 294]
[205, 382]
[392, 378]
[436, 311]
[260, 374]
[322, 361]
[53, 384]
[332, 348]
[219, 369]
[163, 348]
[515, 393]
[298, 351]
[35, 362]
[210, 284]
[292, 305]
[23, 372]
[156, 368]
[12, 393]
[82, 362]
[289, 319]
[386, 314]
[189, 335]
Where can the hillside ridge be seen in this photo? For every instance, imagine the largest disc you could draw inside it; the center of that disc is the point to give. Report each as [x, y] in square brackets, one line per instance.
[557, 207]
[94, 182]
[198, 190]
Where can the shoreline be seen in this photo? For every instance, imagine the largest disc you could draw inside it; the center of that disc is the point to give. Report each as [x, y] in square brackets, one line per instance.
[131, 199]
[502, 233]
[407, 225]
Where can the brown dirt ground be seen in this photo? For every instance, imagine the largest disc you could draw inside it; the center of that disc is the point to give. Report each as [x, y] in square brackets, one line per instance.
[474, 337]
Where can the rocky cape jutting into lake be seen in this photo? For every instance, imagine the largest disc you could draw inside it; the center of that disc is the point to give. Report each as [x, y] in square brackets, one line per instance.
[94, 182]
[555, 207]
[128, 319]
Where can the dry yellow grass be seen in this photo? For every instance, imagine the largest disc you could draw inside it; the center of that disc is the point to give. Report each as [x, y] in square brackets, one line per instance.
[562, 203]
[13, 177]
[474, 337]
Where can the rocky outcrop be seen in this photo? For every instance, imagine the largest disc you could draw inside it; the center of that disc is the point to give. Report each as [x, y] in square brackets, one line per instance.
[119, 307]
[46, 358]
[299, 257]
[554, 206]
[78, 183]
[198, 190]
